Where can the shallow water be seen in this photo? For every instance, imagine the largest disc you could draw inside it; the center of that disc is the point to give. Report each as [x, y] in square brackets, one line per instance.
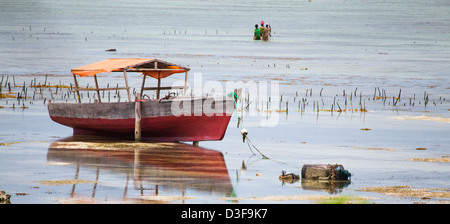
[360, 47]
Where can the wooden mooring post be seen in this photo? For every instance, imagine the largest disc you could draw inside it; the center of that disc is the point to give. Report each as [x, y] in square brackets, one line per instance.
[137, 124]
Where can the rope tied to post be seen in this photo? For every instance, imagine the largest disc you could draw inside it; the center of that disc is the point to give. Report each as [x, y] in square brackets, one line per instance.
[244, 131]
[235, 98]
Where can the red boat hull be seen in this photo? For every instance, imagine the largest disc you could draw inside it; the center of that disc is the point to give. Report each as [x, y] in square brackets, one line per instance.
[188, 119]
[182, 128]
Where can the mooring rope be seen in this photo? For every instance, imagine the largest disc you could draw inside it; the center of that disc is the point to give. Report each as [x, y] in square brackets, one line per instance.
[235, 99]
[244, 132]
[250, 143]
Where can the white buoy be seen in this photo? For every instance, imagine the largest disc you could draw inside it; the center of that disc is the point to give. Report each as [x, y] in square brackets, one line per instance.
[244, 133]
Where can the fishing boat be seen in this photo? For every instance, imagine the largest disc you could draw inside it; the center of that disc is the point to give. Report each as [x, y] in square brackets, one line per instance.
[169, 118]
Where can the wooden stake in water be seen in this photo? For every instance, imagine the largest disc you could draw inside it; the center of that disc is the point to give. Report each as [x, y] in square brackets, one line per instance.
[137, 124]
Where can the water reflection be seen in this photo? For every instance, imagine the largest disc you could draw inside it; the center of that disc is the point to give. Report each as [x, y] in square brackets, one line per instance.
[332, 187]
[168, 165]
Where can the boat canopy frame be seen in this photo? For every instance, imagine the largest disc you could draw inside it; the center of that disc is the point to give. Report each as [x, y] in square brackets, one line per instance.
[152, 67]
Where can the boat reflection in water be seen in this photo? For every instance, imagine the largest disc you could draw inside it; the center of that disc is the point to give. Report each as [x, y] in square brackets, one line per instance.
[168, 165]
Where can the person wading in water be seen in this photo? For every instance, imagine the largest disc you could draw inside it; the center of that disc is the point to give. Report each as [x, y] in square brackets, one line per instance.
[261, 29]
[257, 34]
[266, 34]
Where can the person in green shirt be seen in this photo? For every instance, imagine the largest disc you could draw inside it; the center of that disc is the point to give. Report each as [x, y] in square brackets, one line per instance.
[257, 34]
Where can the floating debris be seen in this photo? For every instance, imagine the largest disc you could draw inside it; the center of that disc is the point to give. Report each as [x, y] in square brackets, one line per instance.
[436, 160]
[375, 148]
[4, 198]
[288, 177]
[325, 172]
[345, 200]
[244, 133]
[423, 118]
[126, 145]
[166, 198]
[12, 143]
[408, 191]
[63, 182]
[294, 198]
[6, 95]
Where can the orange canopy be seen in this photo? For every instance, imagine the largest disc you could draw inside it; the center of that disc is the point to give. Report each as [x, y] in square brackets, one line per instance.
[162, 74]
[148, 66]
